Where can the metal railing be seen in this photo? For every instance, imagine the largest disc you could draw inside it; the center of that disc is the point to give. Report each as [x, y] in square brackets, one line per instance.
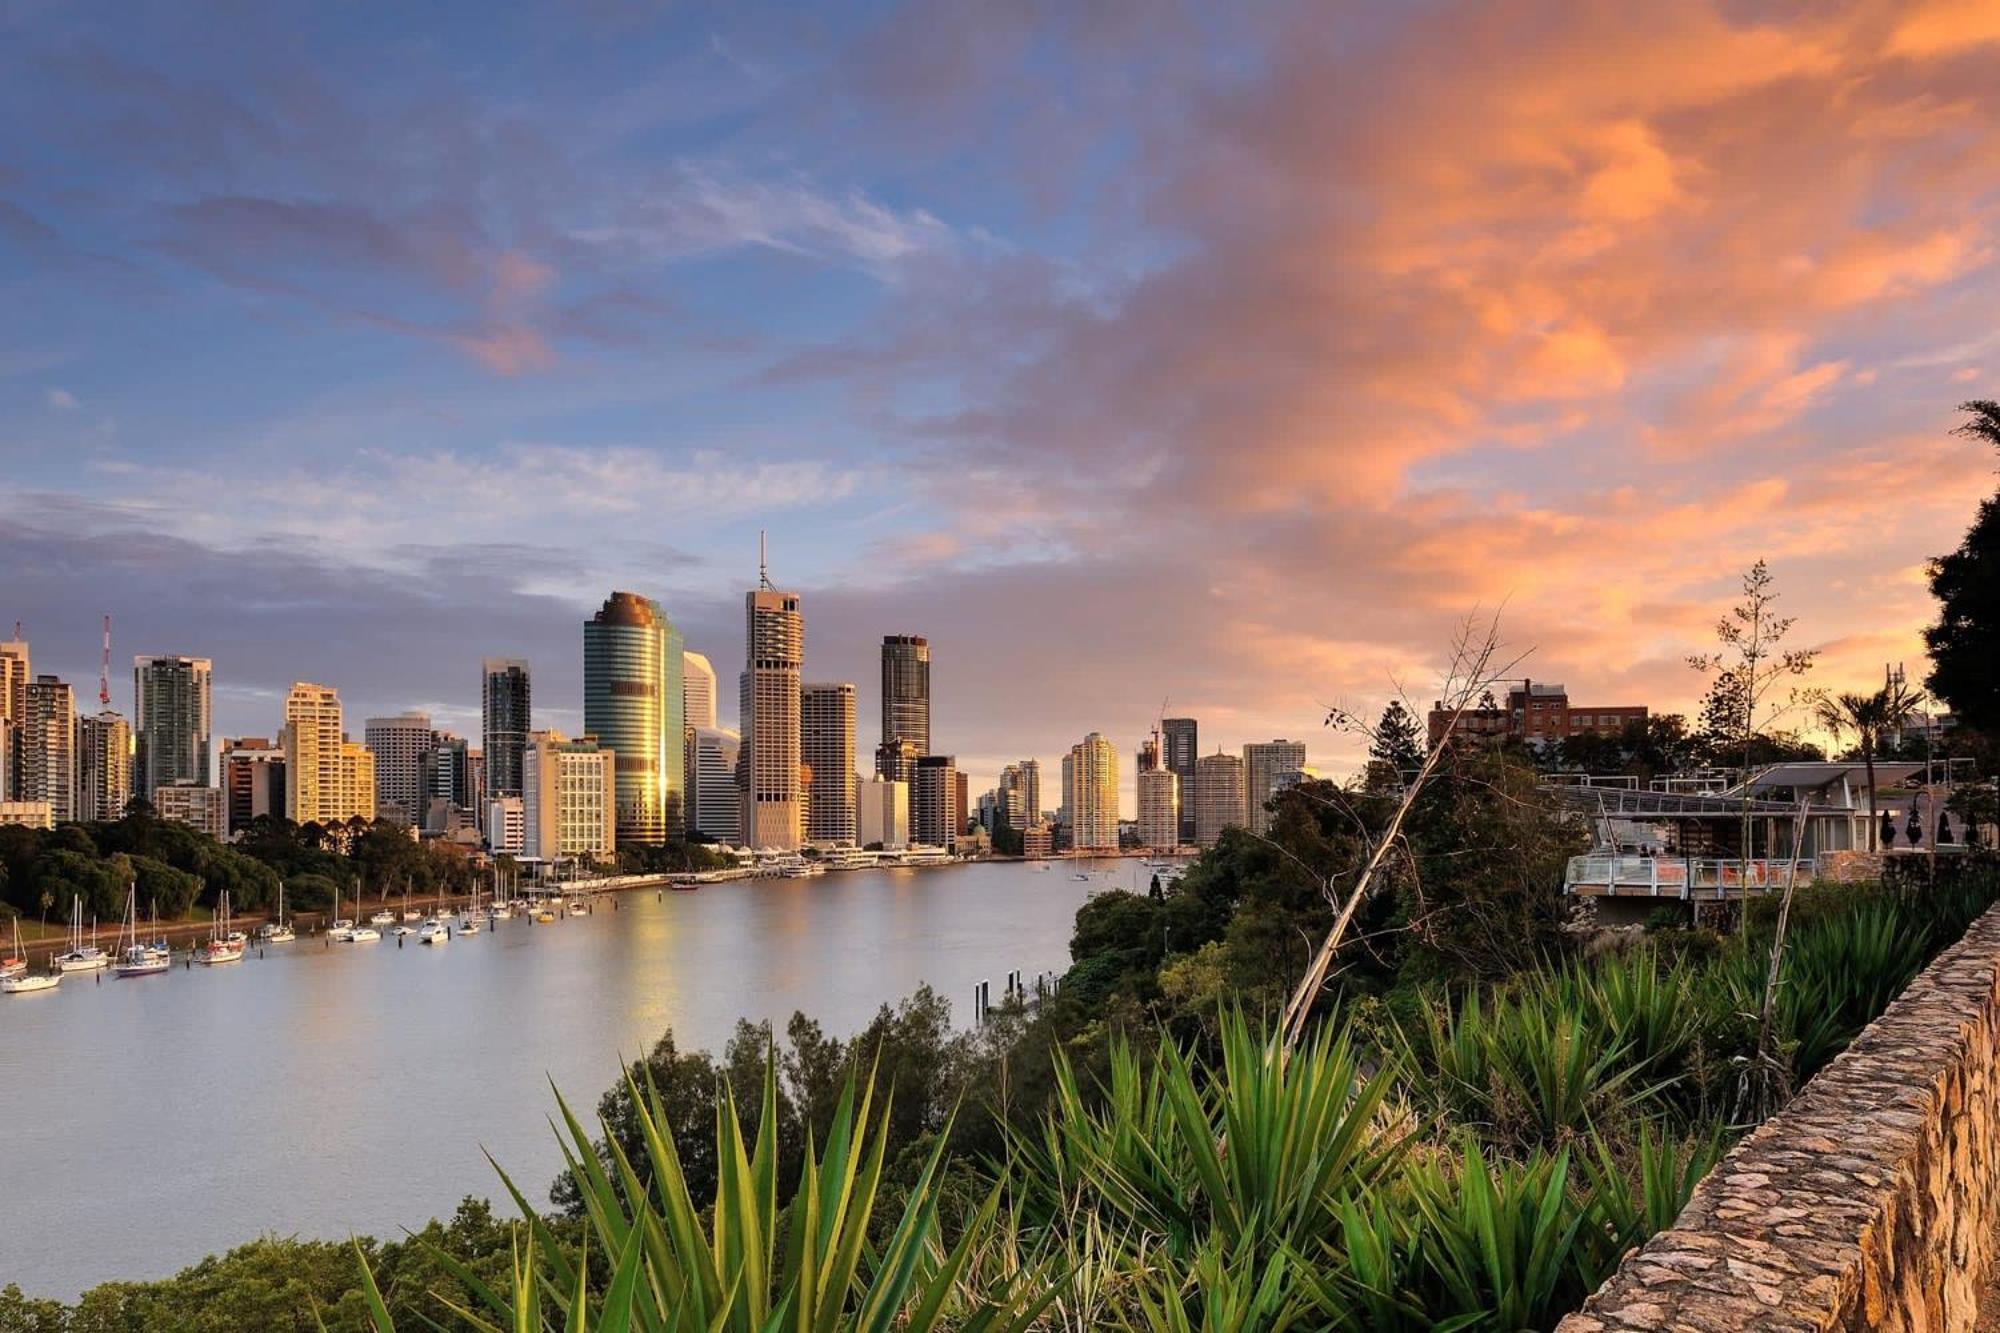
[1681, 876]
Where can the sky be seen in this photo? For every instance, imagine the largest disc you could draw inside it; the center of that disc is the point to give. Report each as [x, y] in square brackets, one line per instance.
[1213, 359]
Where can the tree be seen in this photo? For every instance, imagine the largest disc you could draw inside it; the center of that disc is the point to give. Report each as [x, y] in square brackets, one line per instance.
[1866, 717]
[1965, 643]
[1395, 749]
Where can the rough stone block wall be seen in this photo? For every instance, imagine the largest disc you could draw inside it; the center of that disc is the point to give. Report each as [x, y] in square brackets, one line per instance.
[1869, 1203]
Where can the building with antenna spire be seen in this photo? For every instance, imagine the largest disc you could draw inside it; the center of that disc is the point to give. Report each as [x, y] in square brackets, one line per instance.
[768, 757]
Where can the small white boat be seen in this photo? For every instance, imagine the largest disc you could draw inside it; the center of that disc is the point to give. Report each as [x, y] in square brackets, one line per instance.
[279, 931]
[26, 983]
[224, 945]
[1080, 875]
[433, 931]
[16, 962]
[578, 907]
[81, 957]
[363, 935]
[404, 930]
[384, 918]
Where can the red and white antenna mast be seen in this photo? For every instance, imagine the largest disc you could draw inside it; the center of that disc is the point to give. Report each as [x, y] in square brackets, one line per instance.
[104, 669]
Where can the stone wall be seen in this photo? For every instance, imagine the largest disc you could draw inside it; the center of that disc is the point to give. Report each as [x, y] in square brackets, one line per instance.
[1868, 1203]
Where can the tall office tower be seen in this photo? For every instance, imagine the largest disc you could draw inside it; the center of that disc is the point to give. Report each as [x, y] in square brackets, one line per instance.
[1159, 809]
[448, 794]
[253, 780]
[906, 690]
[1269, 767]
[826, 747]
[1021, 792]
[774, 650]
[13, 707]
[1178, 736]
[632, 705]
[882, 807]
[399, 745]
[1218, 796]
[47, 737]
[103, 766]
[569, 798]
[1090, 794]
[933, 796]
[897, 760]
[717, 805]
[698, 690]
[171, 721]
[506, 715]
[328, 778]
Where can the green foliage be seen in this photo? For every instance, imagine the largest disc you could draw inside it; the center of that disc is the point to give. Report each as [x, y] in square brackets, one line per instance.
[1964, 645]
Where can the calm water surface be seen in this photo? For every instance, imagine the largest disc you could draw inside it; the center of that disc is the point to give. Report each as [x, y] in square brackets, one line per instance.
[322, 1090]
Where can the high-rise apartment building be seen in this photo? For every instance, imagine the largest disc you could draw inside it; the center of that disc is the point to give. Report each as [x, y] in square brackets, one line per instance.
[632, 705]
[1159, 809]
[826, 748]
[698, 690]
[933, 802]
[399, 745]
[569, 798]
[718, 804]
[1180, 741]
[1021, 793]
[196, 804]
[774, 652]
[882, 813]
[14, 671]
[328, 778]
[47, 738]
[253, 781]
[507, 825]
[1269, 767]
[172, 720]
[103, 766]
[1218, 796]
[1090, 794]
[906, 690]
[449, 794]
[506, 716]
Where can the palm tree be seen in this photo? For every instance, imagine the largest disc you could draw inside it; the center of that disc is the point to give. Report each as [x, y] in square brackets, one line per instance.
[1867, 717]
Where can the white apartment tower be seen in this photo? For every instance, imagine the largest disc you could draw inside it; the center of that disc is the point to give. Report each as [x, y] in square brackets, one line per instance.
[47, 738]
[1090, 794]
[399, 745]
[103, 766]
[569, 798]
[1159, 809]
[697, 691]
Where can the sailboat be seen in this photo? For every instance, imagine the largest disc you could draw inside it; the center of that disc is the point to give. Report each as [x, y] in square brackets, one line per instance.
[16, 962]
[81, 957]
[136, 959]
[20, 981]
[471, 922]
[502, 909]
[279, 931]
[224, 945]
[383, 916]
[409, 913]
[342, 928]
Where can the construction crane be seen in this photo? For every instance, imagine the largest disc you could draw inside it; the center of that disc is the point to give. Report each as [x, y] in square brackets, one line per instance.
[104, 669]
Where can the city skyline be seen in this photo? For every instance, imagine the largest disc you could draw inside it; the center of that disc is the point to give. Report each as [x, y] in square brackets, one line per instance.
[410, 405]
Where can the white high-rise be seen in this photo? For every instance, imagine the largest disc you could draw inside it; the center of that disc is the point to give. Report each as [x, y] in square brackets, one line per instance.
[103, 766]
[717, 807]
[882, 813]
[399, 744]
[826, 747]
[1021, 793]
[1090, 794]
[1159, 809]
[774, 652]
[47, 738]
[698, 690]
[1269, 767]
[1218, 796]
[569, 798]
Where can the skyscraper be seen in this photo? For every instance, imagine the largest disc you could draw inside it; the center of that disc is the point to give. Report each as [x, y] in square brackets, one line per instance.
[1218, 796]
[718, 803]
[1090, 794]
[632, 705]
[906, 690]
[774, 651]
[506, 716]
[698, 690]
[1179, 737]
[447, 785]
[103, 765]
[897, 760]
[1269, 767]
[1021, 793]
[47, 736]
[1159, 809]
[171, 721]
[933, 801]
[826, 747]
[13, 707]
[328, 778]
[399, 745]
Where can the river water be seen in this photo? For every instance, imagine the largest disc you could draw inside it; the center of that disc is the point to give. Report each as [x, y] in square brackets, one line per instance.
[321, 1090]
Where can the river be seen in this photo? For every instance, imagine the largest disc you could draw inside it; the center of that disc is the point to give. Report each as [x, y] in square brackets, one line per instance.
[320, 1090]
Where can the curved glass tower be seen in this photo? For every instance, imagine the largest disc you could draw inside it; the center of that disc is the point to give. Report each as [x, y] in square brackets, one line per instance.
[632, 704]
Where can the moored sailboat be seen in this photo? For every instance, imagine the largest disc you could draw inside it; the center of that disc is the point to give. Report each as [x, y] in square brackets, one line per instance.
[279, 931]
[136, 959]
[81, 957]
[16, 961]
[224, 945]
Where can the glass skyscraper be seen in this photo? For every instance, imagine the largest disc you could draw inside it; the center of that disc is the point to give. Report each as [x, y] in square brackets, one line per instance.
[171, 721]
[632, 705]
[906, 690]
[505, 719]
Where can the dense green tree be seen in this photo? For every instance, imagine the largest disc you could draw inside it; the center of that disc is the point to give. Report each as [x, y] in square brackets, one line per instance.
[1965, 643]
[1395, 748]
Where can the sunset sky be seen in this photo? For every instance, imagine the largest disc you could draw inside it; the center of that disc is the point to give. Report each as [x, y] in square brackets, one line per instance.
[1223, 355]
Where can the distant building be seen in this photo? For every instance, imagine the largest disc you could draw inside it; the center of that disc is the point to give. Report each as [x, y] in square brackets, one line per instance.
[1269, 767]
[906, 690]
[103, 766]
[1179, 736]
[774, 650]
[14, 673]
[28, 814]
[933, 802]
[506, 716]
[882, 813]
[1539, 714]
[1021, 793]
[569, 798]
[399, 745]
[826, 748]
[697, 690]
[172, 720]
[1038, 841]
[195, 804]
[47, 740]
[632, 703]
[718, 804]
[1090, 794]
[507, 823]
[1159, 809]
[253, 781]
[961, 802]
[328, 779]
[451, 797]
[1219, 800]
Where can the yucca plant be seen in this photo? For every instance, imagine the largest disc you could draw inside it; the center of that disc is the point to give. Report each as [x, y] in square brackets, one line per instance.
[749, 1267]
[1223, 1291]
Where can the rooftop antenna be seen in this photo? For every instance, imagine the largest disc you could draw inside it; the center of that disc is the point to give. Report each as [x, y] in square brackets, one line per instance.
[104, 669]
[763, 570]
